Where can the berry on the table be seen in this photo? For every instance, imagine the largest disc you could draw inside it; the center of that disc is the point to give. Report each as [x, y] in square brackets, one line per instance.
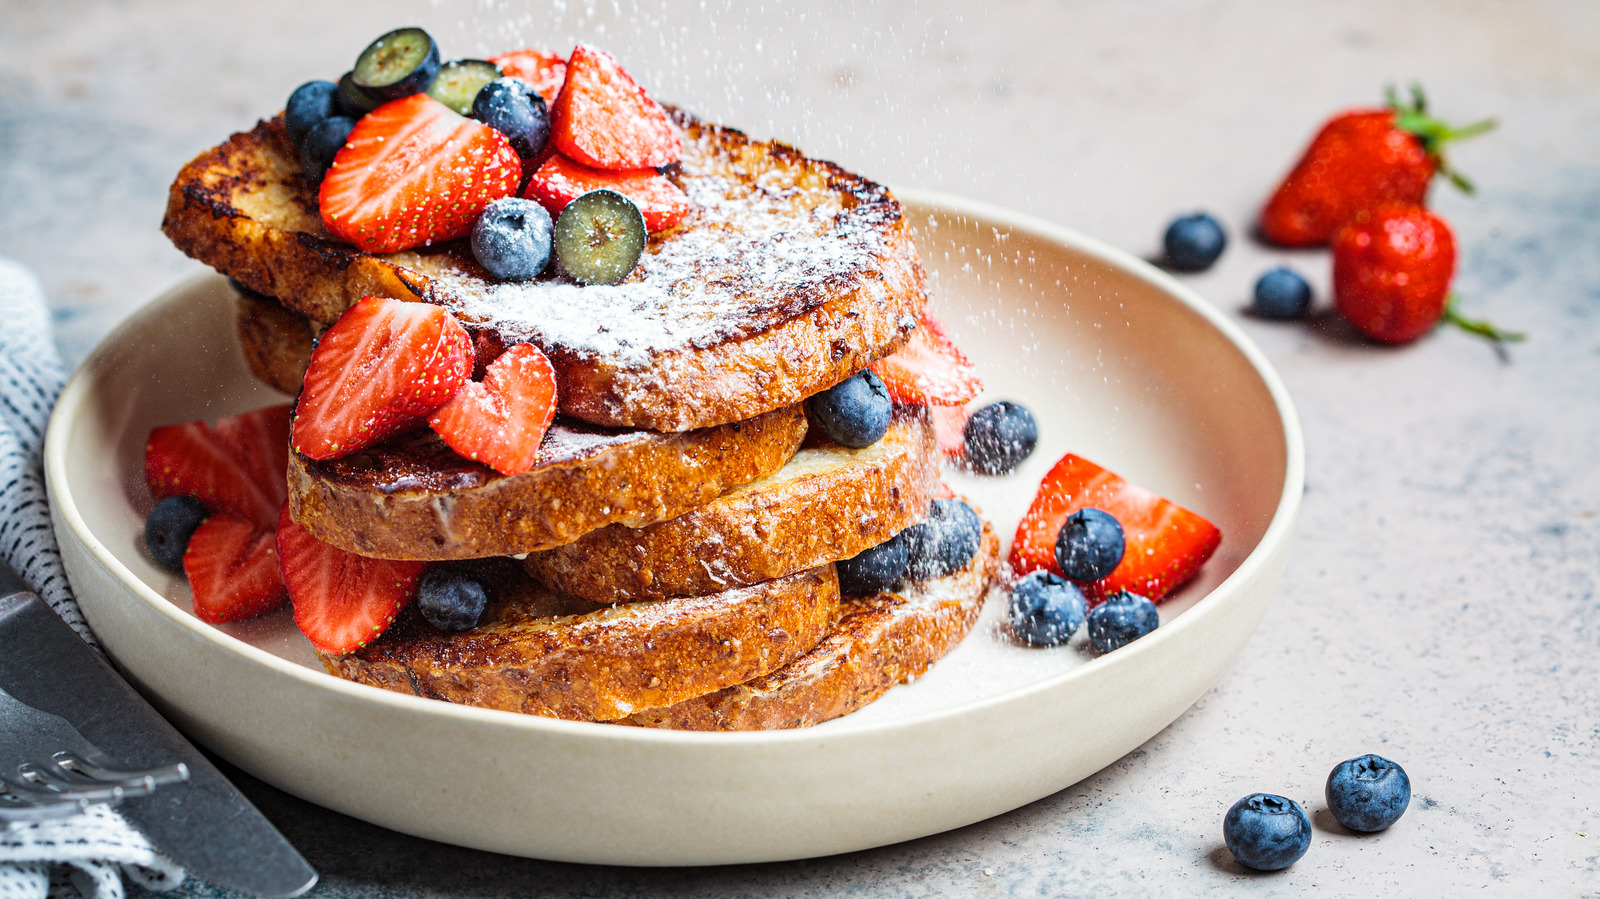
[944, 542]
[460, 81]
[1193, 242]
[875, 569]
[398, 64]
[1120, 620]
[168, 529]
[232, 566]
[451, 600]
[1090, 545]
[1267, 832]
[1391, 271]
[599, 237]
[603, 118]
[1046, 610]
[511, 240]
[1367, 793]
[559, 181]
[501, 420]
[999, 436]
[342, 601]
[1281, 293]
[929, 369]
[308, 106]
[854, 412]
[322, 143]
[512, 107]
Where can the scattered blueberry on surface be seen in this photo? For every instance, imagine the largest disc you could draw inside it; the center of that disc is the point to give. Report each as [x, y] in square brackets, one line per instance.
[1120, 620]
[944, 542]
[1193, 242]
[600, 237]
[1090, 544]
[854, 412]
[512, 107]
[168, 529]
[322, 143]
[308, 106]
[1267, 832]
[999, 436]
[451, 600]
[1046, 610]
[1368, 793]
[1281, 293]
[874, 569]
[512, 239]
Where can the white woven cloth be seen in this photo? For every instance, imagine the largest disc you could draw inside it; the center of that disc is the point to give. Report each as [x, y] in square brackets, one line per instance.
[87, 854]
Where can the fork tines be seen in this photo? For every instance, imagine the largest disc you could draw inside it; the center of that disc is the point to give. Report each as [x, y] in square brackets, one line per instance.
[67, 784]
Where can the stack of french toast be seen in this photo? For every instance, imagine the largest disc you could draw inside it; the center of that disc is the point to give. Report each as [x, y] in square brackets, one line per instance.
[673, 556]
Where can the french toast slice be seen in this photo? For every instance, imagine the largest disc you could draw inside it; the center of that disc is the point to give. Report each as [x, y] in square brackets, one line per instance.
[880, 641]
[276, 342]
[788, 275]
[543, 654]
[827, 503]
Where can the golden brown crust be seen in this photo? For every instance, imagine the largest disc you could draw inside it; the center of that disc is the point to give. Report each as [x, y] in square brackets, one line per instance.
[880, 641]
[276, 342]
[533, 655]
[828, 503]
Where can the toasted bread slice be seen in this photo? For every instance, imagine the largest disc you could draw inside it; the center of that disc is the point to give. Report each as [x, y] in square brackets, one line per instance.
[539, 653]
[880, 640]
[275, 341]
[788, 275]
[828, 503]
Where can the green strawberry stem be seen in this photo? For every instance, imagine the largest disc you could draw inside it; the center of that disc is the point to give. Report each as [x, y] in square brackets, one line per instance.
[1433, 133]
[1479, 326]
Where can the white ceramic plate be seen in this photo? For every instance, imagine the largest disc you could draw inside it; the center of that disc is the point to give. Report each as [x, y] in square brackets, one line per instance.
[1119, 363]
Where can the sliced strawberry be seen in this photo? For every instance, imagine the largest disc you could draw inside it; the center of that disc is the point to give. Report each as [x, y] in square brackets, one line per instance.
[342, 601]
[1166, 543]
[383, 365]
[949, 429]
[545, 71]
[560, 181]
[930, 370]
[232, 564]
[603, 119]
[236, 465]
[500, 421]
[414, 172]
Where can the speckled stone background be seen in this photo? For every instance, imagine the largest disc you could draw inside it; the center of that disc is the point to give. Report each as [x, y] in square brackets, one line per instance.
[1440, 605]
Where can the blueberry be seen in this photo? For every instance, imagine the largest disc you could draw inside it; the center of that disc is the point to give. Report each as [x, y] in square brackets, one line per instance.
[600, 237]
[872, 570]
[512, 239]
[1281, 293]
[322, 143]
[1368, 793]
[1193, 242]
[1120, 620]
[1046, 610]
[169, 527]
[944, 542]
[1089, 545]
[854, 412]
[1267, 832]
[451, 600]
[398, 64]
[512, 107]
[308, 106]
[999, 436]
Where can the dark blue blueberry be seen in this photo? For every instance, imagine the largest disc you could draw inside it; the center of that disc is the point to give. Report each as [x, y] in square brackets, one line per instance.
[512, 107]
[401, 63]
[1193, 242]
[353, 101]
[944, 542]
[874, 569]
[1089, 545]
[854, 412]
[451, 600]
[512, 239]
[1281, 293]
[1267, 832]
[1123, 618]
[169, 527]
[999, 436]
[1046, 610]
[322, 143]
[1368, 793]
[308, 106]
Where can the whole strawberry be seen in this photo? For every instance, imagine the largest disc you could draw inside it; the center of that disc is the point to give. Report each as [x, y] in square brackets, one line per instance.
[1359, 159]
[1391, 271]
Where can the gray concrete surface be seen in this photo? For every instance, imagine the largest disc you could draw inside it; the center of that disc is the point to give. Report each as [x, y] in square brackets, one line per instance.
[1440, 606]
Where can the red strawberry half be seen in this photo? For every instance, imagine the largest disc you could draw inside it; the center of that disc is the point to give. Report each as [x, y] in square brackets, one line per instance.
[414, 172]
[383, 365]
[232, 564]
[501, 420]
[560, 181]
[1166, 543]
[545, 71]
[237, 465]
[342, 601]
[604, 119]
[950, 429]
[929, 370]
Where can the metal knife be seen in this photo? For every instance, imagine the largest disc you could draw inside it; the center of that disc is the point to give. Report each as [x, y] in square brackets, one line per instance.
[205, 824]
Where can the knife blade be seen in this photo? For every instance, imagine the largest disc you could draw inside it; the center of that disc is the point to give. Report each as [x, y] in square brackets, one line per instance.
[205, 824]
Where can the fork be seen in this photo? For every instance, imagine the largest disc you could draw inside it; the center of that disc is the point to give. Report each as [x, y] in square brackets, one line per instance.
[57, 772]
